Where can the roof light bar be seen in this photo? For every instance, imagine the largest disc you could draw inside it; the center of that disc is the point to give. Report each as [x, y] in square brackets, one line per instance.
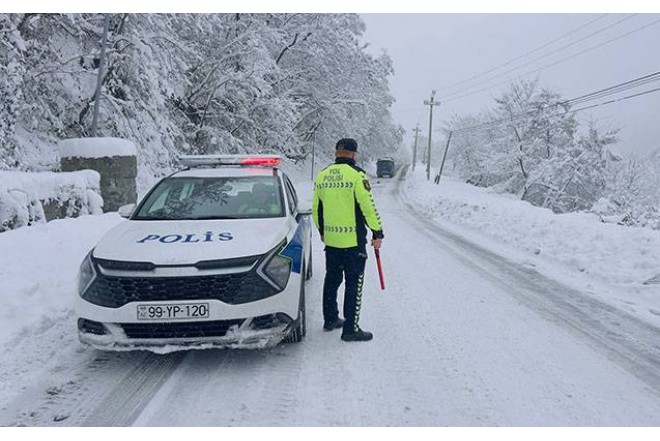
[215, 160]
[268, 161]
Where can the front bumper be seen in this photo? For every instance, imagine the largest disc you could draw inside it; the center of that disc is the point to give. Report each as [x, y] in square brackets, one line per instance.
[254, 325]
[164, 337]
[243, 308]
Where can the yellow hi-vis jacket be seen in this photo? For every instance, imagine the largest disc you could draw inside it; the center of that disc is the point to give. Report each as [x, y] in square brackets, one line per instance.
[343, 205]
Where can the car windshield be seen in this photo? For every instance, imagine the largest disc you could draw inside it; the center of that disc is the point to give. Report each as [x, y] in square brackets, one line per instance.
[196, 198]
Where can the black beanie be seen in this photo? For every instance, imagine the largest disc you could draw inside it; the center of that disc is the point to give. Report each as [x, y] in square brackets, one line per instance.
[347, 144]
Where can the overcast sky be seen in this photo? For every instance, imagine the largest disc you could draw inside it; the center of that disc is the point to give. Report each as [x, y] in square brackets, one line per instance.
[438, 50]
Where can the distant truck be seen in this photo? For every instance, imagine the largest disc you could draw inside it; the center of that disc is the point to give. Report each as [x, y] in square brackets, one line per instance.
[385, 167]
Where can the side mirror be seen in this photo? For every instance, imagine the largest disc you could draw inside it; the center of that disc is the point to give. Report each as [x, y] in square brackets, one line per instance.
[126, 210]
[304, 209]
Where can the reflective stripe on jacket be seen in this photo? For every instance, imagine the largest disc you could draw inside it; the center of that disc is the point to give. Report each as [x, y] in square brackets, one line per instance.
[343, 205]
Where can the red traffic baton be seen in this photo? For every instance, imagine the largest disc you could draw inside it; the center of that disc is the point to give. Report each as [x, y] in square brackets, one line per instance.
[380, 269]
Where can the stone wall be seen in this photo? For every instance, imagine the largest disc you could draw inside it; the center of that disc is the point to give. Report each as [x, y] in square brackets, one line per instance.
[118, 177]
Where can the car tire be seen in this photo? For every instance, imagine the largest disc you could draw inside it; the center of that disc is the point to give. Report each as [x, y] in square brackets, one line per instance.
[297, 334]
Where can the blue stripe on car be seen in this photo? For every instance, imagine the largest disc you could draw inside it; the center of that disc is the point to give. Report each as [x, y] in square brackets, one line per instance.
[294, 249]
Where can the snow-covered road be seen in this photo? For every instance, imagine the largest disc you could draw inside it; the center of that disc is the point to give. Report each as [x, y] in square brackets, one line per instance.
[463, 337]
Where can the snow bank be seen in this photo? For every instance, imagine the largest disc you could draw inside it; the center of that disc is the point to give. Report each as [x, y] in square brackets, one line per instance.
[618, 254]
[39, 268]
[26, 198]
[96, 148]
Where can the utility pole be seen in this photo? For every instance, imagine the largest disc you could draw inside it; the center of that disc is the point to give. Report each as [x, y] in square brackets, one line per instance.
[430, 103]
[416, 130]
[437, 178]
[313, 132]
[99, 81]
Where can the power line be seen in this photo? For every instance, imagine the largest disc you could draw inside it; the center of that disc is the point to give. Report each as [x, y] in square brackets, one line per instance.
[545, 55]
[618, 88]
[559, 61]
[523, 55]
[646, 92]
[496, 122]
[581, 99]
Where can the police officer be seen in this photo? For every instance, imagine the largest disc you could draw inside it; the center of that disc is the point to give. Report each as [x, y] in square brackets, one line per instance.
[343, 208]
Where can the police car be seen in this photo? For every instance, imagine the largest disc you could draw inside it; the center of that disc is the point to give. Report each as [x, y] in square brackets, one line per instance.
[215, 255]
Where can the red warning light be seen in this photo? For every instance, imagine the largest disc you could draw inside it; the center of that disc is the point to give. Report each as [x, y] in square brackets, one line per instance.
[266, 161]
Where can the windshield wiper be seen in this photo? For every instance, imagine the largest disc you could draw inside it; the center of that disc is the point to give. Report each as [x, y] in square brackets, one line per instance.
[157, 218]
[153, 218]
[214, 217]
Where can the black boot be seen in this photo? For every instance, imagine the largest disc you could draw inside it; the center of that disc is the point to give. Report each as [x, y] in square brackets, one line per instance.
[332, 325]
[360, 335]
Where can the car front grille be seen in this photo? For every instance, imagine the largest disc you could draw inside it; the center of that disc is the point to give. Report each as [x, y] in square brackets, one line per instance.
[233, 289]
[217, 328]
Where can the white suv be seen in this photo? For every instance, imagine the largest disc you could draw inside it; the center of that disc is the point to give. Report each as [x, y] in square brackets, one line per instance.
[215, 255]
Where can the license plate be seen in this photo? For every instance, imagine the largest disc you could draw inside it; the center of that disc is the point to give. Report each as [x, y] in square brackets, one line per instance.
[178, 311]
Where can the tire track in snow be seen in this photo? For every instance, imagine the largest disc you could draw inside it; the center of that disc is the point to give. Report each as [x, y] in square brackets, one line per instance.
[69, 384]
[411, 311]
[277, 406]
[226, 387]
[133, 392]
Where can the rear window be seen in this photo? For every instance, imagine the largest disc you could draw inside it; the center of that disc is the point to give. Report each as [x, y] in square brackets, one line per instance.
[195, 198]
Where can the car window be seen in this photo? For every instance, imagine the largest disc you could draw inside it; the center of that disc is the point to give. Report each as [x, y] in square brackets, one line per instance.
[189, 198]
[291, 194]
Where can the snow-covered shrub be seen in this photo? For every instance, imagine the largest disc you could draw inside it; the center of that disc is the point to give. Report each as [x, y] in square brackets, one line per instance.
[28, 198]
[632, 194]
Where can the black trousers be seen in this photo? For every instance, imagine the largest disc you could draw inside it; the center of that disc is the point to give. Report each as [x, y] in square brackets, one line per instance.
[347, 265]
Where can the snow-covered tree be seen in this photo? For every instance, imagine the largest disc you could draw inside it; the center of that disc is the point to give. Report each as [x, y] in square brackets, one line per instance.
[530, 144]
[191, 83]
[632, 194]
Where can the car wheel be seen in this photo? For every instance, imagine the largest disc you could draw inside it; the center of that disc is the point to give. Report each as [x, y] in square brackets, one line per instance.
[299, 332]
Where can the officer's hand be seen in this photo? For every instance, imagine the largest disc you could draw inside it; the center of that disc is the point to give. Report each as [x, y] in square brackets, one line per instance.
[376, 243]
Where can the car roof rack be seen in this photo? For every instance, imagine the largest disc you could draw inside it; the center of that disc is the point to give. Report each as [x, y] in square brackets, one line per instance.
[231, 160]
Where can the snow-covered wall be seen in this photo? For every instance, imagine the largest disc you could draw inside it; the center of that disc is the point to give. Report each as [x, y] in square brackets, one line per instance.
[96, 147]
[115, 159]
[28, 198]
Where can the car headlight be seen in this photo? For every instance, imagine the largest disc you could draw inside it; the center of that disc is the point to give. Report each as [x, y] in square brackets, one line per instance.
[276, 269]
[86, 274]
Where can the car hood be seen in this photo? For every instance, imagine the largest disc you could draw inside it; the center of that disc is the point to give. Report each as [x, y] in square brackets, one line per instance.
[188, 242]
